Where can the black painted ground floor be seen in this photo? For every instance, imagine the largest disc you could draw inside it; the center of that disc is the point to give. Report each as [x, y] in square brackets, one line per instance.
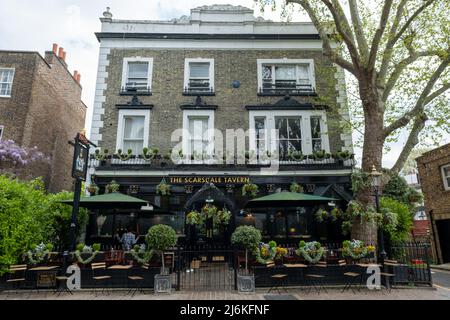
[282, 223]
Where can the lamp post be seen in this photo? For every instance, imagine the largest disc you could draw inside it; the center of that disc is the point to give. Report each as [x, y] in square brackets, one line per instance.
[376, 182]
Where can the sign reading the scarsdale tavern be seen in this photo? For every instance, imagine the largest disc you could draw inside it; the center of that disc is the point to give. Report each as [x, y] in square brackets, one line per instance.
[209, 179]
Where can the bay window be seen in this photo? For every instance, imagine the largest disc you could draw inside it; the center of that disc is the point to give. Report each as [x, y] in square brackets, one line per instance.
[282, 132]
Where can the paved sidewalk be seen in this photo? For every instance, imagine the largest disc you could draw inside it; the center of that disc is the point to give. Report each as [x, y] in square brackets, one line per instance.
[293, 294]
[445, 266]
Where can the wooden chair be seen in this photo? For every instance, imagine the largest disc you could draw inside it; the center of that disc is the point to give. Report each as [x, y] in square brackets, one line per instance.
[279, 280]
[388, 273]
[99, 276]
[17, 276]
[137, 279]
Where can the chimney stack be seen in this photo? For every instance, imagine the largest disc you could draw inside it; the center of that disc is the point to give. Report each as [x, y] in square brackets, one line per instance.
[55, 48]
[60, 52]
[75, 74]
[79, 78]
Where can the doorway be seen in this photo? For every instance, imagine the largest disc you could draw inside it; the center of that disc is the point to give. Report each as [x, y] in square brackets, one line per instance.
[443, 229]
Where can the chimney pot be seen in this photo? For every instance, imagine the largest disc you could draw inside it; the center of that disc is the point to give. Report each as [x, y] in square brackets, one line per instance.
[60, 52]
[79, 78]
[64, 56]
[55, 48]
[75, 74]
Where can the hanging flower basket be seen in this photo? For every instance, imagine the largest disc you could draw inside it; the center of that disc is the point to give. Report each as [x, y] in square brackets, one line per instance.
[163, 189]
[250, 190]
[321, 215]
[112, 187]
[310, 251]
[194, 218]
[222, 217]
[296, 188]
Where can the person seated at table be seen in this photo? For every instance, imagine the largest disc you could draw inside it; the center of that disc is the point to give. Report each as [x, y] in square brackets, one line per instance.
[128, 240]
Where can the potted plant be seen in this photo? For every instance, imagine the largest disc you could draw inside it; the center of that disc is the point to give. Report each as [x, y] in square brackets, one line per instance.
[124, 156]
[86, 254]
[39, 253]
[320, 155]
[296, 156]
[310, 251]
[149, 154]
[250, 190]
[265, 253]
[280, 253]
[160, 238]
[343, 155]
[247, 237]
[101, 156]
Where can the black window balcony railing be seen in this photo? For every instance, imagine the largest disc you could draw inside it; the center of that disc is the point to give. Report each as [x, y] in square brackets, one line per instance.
[133, 88]
[286, 87]
[199, 87]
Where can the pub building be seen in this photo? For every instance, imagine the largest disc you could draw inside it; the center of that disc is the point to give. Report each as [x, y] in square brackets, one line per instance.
[220, 68]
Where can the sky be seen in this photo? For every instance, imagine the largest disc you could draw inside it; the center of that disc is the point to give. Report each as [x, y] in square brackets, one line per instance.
[36, 25]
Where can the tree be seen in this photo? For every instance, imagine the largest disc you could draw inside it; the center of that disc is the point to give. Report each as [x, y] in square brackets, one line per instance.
[397, 52]
[160, 238]
[248, 237]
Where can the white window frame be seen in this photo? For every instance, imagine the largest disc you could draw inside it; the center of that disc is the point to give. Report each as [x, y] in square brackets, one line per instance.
[126, 61]
[186, 134]
[121, 126]
[187, 70]
[12, 82]
[444, 177]
[309, 62]
[2, 128]
[305, 115]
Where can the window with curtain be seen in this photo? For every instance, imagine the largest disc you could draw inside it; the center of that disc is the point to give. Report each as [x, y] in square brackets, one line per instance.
[286, 76]
[138, 75]
[260, 132]
[199, 76]
[6, 81]
[316, 134]
[198, 137]
[289, 135]
[133, 136]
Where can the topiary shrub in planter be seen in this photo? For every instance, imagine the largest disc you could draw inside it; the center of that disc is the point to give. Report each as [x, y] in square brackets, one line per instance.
[160, 238]
[249, 238]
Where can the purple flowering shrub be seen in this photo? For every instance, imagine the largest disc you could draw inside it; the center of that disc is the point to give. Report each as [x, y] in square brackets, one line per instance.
[12, 155]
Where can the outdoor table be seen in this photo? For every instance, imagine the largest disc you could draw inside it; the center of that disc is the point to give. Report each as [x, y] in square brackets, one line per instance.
[297, 265]
[122, 271]
[45, 276]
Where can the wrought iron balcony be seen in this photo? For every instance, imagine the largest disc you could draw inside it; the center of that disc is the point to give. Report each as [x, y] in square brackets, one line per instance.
[133, 88]
[286, 87]
[199, 87]
[214, 163]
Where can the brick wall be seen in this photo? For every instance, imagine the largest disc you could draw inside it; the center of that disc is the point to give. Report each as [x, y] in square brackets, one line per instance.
[436, 198]
[168, 83]
[51, 116]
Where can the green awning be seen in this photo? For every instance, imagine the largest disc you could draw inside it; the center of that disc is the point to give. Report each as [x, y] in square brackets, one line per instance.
[288, 199]
[109, 201]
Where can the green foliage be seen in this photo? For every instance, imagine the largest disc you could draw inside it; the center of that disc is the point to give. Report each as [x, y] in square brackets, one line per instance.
[397, 188]
[296, 188]
[360, 181]
[250, 190]
[112, 187]
[401, 231]
[246, 236]
[161, 237]
[28, 216]
[272, 244]
[96, 246]
[163, 188]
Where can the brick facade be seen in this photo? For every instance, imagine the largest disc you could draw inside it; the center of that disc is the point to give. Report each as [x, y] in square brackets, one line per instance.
[44, 110]
[229, 65]
[437, 199]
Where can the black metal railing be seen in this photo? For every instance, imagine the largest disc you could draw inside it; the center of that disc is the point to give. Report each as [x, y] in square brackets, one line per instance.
[135, 88]
[412, 263]
[216, 163]
[286, 87]
[199, 86]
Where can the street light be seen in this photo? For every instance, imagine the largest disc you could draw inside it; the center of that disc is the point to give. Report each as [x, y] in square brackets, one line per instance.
[376, 182]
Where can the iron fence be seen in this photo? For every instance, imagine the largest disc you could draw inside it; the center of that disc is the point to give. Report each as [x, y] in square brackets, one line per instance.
[412, 265]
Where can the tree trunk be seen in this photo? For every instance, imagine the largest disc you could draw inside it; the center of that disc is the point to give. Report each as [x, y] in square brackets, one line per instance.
[162, 258]
[246, 260]
[372, 156]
